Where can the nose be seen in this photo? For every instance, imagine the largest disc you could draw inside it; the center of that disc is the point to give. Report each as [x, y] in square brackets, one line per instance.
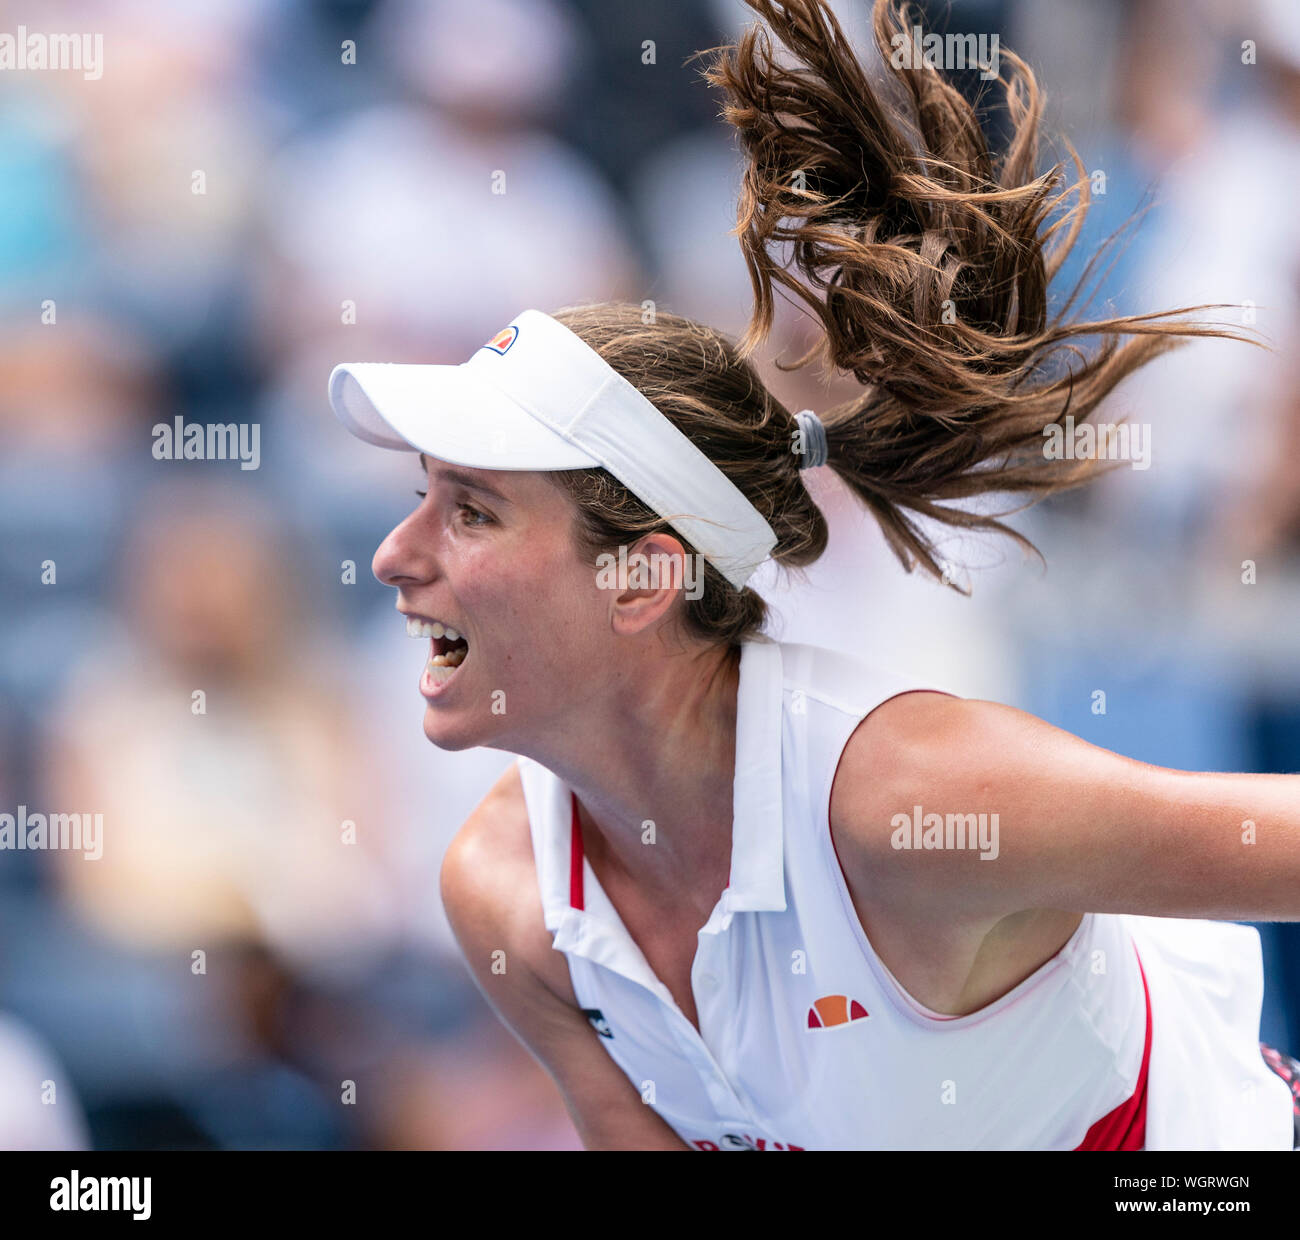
[404, 558]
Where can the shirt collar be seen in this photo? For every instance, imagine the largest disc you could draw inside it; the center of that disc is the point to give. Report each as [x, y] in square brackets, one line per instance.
[757, 875]
[757, 835]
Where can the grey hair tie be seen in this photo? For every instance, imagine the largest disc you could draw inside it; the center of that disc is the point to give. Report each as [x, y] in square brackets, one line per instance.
[814, 438]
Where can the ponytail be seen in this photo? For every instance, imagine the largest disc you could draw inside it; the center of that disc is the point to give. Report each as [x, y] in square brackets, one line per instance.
[927, 259]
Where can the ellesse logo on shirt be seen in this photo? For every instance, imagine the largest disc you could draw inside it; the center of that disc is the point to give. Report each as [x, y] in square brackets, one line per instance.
[833, 1011]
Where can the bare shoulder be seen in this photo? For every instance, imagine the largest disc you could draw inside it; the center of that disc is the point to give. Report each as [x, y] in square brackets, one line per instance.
[947, 748]
[965, 751]
[903, 745]
[944, 755]
[489, 887]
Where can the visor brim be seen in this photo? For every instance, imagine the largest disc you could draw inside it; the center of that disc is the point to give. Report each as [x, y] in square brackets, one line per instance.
[448, 413]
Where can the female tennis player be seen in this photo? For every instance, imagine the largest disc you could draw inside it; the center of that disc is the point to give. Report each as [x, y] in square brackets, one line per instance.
[745, 894]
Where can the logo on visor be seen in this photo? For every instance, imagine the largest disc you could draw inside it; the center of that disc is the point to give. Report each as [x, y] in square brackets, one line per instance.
[503, 339]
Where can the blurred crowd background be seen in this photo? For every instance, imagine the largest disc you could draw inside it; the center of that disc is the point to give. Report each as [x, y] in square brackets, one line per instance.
[330, 185]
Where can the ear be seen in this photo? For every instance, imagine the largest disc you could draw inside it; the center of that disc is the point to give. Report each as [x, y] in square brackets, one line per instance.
[656, 571]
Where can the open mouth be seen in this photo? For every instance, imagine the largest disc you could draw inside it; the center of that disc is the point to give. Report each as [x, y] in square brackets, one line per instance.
[447, 648]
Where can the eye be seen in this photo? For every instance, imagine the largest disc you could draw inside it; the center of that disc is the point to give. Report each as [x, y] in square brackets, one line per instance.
[476, 518]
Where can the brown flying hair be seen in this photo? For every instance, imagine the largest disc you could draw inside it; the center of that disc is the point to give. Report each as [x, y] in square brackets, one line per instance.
[927, 259]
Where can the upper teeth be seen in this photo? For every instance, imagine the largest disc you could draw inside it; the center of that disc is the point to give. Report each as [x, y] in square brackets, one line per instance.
[425, 628]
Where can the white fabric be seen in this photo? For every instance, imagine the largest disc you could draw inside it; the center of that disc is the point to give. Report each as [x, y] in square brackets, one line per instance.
[537, 397]
[1033, 1070]
[1209, 1087]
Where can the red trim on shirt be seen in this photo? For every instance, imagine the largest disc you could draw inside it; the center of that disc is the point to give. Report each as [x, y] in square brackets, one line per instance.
[1125, 1128]
[575, 858]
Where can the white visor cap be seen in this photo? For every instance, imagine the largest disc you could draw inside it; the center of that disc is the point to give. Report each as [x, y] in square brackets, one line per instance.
[536, 397]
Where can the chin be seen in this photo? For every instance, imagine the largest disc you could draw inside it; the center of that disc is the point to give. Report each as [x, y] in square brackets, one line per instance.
[448, 736]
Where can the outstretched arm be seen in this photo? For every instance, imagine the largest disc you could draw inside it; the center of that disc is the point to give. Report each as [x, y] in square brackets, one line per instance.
[1077, 827]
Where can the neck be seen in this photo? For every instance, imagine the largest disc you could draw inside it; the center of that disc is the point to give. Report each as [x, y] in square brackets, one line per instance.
[660, 748]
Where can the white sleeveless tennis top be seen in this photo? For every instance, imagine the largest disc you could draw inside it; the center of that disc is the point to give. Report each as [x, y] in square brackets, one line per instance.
[808, 1042]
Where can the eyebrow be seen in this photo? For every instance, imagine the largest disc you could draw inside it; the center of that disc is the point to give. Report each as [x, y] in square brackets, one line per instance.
[455, 475]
